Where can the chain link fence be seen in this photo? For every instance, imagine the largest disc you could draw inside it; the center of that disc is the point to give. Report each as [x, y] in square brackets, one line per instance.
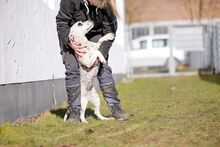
[152, 45]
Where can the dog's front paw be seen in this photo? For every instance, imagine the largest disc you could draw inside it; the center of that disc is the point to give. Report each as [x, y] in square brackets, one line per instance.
[110, 36]
[102, 60]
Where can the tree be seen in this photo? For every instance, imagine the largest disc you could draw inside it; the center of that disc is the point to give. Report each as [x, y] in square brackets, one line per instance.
[199, 9]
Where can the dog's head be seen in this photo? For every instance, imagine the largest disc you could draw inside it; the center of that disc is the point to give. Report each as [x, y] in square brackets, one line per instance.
[80, 29]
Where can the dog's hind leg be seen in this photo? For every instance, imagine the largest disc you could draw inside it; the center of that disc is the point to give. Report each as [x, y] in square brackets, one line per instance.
[84, 103]
[96, 102]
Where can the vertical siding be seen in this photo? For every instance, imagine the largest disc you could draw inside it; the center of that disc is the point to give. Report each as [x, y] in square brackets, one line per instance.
[2, 60]
[29, 46]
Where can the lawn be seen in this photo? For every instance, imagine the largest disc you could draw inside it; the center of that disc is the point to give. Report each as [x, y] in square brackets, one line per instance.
[178, 111]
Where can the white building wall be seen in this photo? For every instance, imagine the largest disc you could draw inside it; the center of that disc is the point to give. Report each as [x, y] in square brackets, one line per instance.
[29, 49]
[29, 44]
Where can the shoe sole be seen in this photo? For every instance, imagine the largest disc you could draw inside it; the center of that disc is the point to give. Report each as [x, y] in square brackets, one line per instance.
[120, 119]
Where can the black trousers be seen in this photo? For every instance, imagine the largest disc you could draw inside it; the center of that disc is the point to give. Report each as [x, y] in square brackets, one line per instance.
[72, 80]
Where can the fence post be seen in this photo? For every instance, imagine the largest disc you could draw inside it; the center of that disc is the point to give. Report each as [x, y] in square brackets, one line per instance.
[172, 66]
[129, 49]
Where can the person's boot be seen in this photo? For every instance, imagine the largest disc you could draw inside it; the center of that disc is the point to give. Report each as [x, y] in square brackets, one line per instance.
[117, 112]
[73, 110]
[73, 115]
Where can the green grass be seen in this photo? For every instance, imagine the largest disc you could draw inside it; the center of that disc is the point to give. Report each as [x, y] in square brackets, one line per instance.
[180, 111]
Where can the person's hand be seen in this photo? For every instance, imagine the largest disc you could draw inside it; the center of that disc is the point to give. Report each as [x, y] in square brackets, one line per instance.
[78, 48]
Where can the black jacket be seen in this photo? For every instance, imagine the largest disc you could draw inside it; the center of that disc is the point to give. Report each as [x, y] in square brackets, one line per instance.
[72, 11]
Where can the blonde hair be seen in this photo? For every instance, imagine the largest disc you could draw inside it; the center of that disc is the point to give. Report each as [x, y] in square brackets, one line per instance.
[111, 3]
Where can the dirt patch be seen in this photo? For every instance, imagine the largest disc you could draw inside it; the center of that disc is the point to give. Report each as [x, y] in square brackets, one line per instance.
[23, 121]
[89, 131]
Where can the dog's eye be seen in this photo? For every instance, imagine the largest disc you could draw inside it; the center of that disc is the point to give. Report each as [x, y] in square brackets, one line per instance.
[80, 24]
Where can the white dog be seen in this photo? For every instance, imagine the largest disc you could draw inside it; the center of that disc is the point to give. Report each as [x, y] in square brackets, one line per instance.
[88, 74]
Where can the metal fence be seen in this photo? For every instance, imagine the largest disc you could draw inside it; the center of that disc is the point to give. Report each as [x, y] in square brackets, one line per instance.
[216, 49]
[199, 40]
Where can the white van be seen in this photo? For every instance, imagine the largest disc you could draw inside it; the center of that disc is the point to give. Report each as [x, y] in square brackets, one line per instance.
[153, 51]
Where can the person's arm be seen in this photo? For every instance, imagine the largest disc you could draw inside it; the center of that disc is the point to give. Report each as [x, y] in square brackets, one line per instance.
[109, 26]
[63, 20]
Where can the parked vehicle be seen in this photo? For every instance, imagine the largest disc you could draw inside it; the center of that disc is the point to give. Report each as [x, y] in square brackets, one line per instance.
[153, 51]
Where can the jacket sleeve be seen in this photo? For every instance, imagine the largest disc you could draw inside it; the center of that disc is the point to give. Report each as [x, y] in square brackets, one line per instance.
[109, 26]
[63, 20]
